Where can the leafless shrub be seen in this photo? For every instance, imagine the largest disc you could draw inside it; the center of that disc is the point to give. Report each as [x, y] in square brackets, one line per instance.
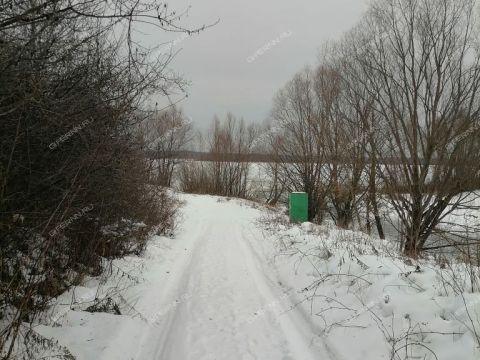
[167, 133]
[65, 79]
[230, 142]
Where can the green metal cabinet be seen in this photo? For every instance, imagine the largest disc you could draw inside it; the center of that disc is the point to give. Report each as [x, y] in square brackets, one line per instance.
[298, 207]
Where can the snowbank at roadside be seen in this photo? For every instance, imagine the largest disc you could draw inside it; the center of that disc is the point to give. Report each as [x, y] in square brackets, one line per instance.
[85, 320]
[368, 302]
[358, 296]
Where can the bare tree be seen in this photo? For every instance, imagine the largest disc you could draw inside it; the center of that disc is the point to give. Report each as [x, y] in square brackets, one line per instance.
[167, 133]
[319, 143]
[367, 137]
[269, 180]
[297, 131]
[344, 144]
[229, 144]
[420, 62]
[232, 137]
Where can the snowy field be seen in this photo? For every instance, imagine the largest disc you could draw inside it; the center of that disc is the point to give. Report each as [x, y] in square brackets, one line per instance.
[239, 282]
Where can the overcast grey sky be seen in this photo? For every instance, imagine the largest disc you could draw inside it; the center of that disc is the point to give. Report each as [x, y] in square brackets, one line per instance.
[226, 74]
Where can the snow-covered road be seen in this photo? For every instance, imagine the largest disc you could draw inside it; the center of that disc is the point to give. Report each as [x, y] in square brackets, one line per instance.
[226, 304]
[209, 293]
[225, 287]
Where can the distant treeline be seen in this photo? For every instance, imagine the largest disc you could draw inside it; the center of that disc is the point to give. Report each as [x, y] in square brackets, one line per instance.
[261, 158]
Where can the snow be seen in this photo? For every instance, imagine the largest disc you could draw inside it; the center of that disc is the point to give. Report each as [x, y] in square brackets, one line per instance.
[358, 289]
[239, 282]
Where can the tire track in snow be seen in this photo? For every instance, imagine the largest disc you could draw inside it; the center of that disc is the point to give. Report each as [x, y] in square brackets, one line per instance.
[298, 319]
[227, 286]
[158, 337]
[292, 325]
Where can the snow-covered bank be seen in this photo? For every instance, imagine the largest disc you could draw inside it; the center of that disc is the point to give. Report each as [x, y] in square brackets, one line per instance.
[199, 296]
[367, 302]
[238, 282]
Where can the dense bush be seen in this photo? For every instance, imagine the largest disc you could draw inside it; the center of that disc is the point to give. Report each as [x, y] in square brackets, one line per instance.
[73, 174]
[227, 173]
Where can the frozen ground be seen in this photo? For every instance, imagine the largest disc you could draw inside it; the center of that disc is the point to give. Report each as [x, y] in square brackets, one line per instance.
[240, 283]
[201, 297]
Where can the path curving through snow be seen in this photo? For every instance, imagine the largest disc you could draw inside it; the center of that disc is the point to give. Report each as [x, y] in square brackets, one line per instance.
[214, 292]
[208, 294]
[223, 300]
